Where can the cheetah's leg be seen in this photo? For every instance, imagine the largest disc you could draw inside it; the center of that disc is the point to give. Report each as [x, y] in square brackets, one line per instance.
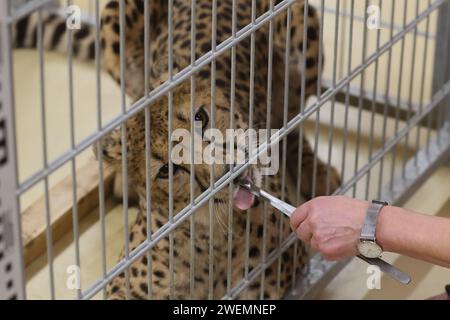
[138, 272]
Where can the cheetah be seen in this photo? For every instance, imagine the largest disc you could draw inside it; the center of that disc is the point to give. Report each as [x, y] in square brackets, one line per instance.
[165, 271]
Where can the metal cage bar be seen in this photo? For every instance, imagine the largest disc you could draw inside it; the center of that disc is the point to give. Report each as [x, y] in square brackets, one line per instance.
[12, 280]
[192, 176]
[49, 238]
[441, 70]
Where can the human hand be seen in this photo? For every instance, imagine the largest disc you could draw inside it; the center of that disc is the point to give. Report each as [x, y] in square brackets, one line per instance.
[332, 225]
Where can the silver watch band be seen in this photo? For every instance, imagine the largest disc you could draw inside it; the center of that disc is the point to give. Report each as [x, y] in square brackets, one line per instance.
[368, 231]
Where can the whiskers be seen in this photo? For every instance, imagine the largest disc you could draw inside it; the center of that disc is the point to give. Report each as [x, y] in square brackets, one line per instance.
[221, 208]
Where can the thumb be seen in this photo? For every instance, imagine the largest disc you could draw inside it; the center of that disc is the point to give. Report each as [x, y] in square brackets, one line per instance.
[300, 214]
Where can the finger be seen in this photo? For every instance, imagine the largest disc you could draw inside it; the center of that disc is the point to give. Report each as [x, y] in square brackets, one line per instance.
[314, 244]
[304, 232]
[300, 214]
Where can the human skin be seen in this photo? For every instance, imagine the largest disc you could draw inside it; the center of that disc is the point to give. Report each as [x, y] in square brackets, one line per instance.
[332, 225]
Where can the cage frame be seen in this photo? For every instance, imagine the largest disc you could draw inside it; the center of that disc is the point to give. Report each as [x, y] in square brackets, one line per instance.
[416, 170]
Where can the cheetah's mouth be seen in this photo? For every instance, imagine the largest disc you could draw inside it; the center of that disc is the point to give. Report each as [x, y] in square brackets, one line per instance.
[243, 199]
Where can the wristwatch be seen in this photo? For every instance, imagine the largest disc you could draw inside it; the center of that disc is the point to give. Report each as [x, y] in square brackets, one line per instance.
[367, 245]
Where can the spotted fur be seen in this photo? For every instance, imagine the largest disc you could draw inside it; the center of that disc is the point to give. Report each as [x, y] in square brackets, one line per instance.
[152, 269]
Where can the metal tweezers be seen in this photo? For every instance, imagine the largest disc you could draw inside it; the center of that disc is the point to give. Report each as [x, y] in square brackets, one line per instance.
[287, 209]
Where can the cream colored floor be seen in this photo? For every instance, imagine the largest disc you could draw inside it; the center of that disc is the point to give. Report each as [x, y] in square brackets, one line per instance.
[28, 114]
[350, 283]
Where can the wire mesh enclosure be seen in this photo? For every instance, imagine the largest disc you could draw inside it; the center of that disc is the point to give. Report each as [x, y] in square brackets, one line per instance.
[345, 97]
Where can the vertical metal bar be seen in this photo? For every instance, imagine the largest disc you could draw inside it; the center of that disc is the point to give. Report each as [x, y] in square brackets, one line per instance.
[169, 129]
[269, 108]
[411, 83]
[431, 115]
[192, 147]
[211, 178]
[247, 247]
[302, 103]
[360, 101]
[124, 143]
[317, 120]
[446, 103]
[347, 90]
[230, 191]
[383, 134]
[397, 109]
[75, 220]
[48, 229]
[333, 101]
[252, 68]
[11, 252]
[250, 127]
[344, 18]
[287, 54]
[319, 94]
[148, 176]
[422, 89]
[374, 95]
[101, 189]
[441, 69]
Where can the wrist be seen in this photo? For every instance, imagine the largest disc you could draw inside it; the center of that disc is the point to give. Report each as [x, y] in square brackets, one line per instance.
[387, 232]
[368, 245]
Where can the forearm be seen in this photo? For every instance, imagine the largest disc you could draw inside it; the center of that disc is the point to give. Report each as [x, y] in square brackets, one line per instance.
[415, 235]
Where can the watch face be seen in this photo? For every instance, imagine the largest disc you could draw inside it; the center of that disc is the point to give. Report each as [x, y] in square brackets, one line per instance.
[369, 249]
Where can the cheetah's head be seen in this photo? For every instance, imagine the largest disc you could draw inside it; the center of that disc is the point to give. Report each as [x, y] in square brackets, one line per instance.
[158, 154]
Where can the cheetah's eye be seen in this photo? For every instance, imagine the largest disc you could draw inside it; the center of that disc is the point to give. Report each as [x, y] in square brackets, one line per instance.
[163, 172]
[202, 116]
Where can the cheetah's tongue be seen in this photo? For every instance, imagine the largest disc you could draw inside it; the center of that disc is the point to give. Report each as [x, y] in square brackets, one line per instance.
[243, 199]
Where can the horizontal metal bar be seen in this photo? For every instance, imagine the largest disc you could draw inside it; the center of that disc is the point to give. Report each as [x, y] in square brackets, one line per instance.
[28, 8]
[428, 159]
[380, 101]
